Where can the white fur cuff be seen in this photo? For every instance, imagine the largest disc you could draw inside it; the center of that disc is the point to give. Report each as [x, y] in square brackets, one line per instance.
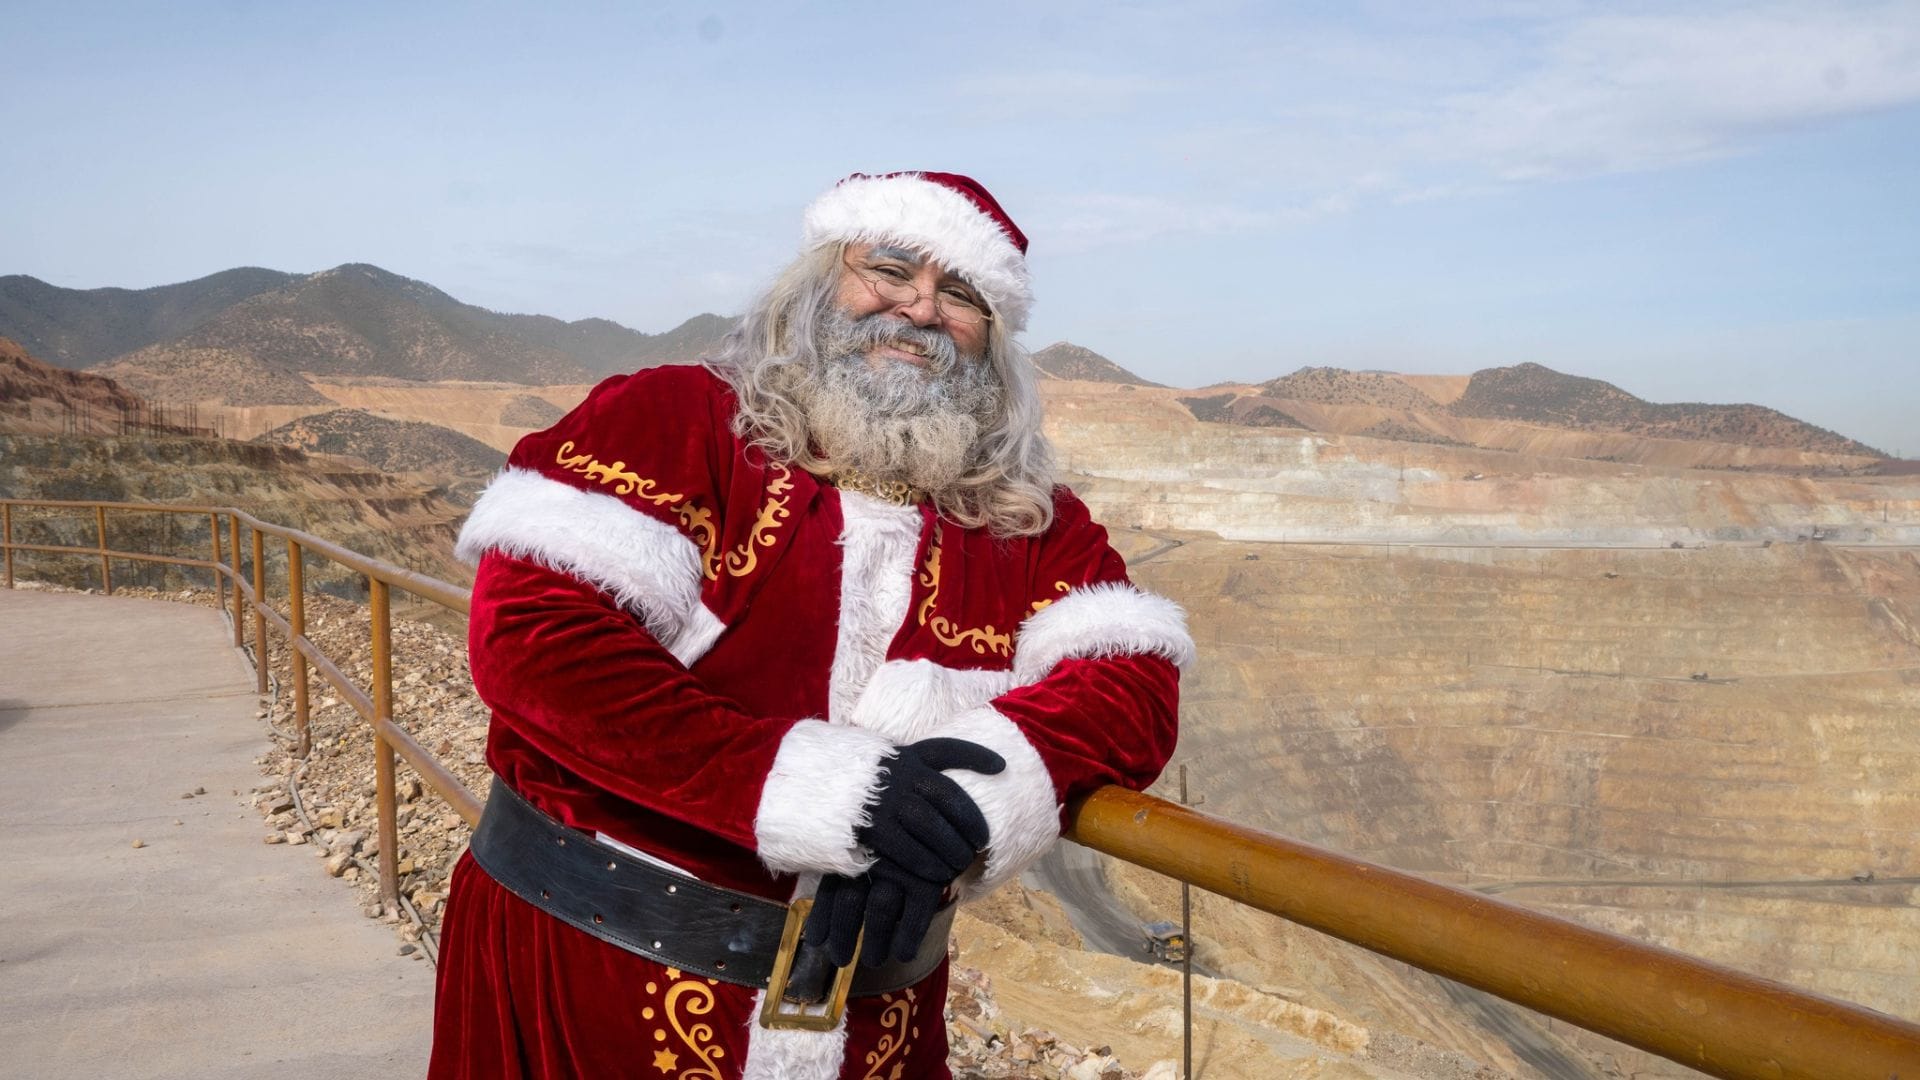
[647, 566]
[815, 795]
[1101, 620]
[1023, 818]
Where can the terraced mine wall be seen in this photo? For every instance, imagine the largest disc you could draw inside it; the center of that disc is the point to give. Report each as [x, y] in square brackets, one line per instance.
[1528, 690]
[1138, 460]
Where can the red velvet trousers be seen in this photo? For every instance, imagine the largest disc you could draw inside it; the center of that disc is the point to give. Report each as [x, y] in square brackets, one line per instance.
[524, 996]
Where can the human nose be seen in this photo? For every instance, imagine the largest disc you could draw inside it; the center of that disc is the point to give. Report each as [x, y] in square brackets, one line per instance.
[921, 309]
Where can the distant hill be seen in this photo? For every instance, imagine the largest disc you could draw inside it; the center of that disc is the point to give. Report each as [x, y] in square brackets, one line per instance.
[1234, 408]
[43, 398]
[245, 336]
[390, 445]
[1540, 395]
[77, 328]
[1065, 360]
[529, 411]
[231, 377]
[1337, 386]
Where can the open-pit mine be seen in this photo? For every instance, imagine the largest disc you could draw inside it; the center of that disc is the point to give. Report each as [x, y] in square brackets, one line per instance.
[1669, 687]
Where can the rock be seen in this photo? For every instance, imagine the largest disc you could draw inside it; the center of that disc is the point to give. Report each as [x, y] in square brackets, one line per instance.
[1087, 1068]
[349, 840]
[1164, 1069]
[186, 794]
[280, 804]
[274, 838]
[296, 838]
[338, 863]
[409, 949]
[408, 791]
[200, 791]
[139, 843]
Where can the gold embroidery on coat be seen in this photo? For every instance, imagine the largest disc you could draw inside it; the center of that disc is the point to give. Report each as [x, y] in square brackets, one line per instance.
[697, 1038]
[983, 639]
[698, 521]
[1060, 587]
[741, 560]
[623, 480]
[895, 1018]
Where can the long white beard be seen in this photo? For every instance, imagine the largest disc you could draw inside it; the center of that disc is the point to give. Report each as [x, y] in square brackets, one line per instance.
[897, 422]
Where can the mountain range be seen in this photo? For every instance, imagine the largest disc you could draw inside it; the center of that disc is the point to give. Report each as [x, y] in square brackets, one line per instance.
[1385, 405]
[253, 333]
[256, 337]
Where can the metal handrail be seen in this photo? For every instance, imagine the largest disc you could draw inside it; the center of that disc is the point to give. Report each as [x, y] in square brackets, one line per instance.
[1706, 1016]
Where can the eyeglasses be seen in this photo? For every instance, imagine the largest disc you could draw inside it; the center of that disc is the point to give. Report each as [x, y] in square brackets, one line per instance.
[892, 281]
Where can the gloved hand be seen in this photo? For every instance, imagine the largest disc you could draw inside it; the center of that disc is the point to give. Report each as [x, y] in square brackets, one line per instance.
[895, 906]
[924, 822]
[925, 832]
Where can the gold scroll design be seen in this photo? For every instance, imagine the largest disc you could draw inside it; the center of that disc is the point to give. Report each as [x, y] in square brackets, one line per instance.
[623, 480]
[773, 513]
[696, 996]
[897, 1020]
[1060, 587]
[982, 639]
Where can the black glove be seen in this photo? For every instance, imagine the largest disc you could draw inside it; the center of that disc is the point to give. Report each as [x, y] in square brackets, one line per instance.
[895, 906]
[924, 822]
[925, 833]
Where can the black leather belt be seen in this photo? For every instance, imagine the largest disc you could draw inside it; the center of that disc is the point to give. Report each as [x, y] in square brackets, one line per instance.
[674, 919]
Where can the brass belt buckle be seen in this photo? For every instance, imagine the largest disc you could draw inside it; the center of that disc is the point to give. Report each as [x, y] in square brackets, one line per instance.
[772, 1012]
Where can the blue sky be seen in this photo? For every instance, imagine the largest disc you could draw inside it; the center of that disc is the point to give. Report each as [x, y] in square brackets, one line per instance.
[1703, 201]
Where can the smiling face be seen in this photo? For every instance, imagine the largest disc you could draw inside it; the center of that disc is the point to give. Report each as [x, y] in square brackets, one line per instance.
[937, 294]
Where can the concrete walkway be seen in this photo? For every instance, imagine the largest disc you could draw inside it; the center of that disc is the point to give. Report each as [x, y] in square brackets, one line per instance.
[204, 953]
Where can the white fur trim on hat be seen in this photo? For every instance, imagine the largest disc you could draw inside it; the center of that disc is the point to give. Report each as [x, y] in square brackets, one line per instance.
[646, 566]
[1114, 619]
[933, 218]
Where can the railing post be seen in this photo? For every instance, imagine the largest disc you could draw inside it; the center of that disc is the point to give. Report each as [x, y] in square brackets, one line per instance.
[259, 615]
[233, 545]
[382, 615]
[100, 533]
[297, 621]
[213, 526]
[6, 538]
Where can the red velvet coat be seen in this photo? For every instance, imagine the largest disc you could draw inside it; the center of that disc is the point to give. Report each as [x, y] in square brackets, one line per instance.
[702, 655]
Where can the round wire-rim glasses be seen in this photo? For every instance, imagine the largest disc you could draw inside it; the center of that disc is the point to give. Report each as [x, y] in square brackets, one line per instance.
[958, 308]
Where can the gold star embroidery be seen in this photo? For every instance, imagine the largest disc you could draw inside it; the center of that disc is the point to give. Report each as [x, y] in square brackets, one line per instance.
[665, 1060]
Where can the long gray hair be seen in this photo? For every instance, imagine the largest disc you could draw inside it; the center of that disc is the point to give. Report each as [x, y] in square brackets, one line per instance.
[1007, 484]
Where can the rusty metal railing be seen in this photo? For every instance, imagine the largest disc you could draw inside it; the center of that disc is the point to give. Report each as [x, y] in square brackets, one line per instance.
[1709, 1017]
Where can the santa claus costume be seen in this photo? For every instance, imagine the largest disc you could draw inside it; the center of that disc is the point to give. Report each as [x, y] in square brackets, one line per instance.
[701, 657]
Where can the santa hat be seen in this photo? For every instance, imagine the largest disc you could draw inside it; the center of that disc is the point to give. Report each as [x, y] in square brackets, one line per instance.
[948, 217]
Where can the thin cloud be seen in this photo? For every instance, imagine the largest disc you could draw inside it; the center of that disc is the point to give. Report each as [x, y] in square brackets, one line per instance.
[1616, 94]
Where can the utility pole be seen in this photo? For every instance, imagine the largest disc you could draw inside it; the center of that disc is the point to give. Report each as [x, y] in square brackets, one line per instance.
[1186, 955]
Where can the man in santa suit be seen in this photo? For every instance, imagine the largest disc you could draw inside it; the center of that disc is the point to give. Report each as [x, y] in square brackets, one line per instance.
[811, 619]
